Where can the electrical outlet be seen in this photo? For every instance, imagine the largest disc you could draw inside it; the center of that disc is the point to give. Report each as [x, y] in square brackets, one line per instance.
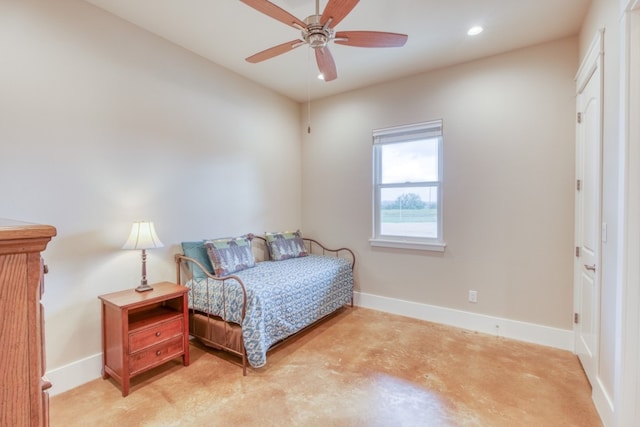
[473, 296]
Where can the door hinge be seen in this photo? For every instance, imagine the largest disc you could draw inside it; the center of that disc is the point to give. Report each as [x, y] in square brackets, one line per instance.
[578, 251]
[579, 117]
[578, 184]
[576, 318]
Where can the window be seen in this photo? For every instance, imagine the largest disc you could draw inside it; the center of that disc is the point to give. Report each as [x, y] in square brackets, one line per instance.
[407, 186]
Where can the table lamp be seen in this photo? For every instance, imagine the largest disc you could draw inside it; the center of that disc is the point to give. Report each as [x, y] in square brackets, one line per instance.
[143, 236]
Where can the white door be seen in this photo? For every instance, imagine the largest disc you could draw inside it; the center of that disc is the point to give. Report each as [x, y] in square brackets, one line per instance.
[588, 212]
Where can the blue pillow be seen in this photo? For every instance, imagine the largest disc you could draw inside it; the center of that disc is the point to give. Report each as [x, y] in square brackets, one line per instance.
[197, 251]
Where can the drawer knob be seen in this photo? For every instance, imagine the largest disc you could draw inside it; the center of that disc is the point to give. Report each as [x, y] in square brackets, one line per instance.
[158, 353]
[158, 333]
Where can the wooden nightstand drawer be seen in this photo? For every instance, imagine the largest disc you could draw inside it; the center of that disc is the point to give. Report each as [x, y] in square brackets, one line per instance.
[156, 355]
[155, 334]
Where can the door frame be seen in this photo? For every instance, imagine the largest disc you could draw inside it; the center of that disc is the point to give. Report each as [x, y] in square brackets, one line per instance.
[628, 367]
[593, 61]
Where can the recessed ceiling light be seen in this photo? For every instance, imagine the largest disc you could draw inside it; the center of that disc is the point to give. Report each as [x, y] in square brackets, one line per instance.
[474, 31]
[320, 76]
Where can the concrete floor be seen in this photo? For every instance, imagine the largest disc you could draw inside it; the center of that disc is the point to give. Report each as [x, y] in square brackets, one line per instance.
[358, 368]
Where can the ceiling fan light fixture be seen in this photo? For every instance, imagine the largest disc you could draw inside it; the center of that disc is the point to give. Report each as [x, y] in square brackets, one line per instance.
[317, 40]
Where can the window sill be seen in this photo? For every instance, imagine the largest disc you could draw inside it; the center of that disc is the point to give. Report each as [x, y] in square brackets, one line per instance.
[404, 244]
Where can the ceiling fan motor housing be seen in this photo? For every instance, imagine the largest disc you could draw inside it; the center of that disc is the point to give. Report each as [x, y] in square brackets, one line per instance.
[315, 34]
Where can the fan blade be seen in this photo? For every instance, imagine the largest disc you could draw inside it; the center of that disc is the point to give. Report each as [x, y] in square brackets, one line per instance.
[275, 12]
[326, 64]
[337, 10]
[370, 39]
[274, 51]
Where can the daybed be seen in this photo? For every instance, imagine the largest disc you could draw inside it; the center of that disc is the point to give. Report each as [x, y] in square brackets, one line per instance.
[259, 292]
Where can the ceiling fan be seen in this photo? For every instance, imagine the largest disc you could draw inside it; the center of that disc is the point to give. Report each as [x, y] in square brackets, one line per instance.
[318, 30]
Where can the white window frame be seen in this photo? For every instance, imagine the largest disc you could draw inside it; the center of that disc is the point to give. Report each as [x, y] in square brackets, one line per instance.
[406, 133]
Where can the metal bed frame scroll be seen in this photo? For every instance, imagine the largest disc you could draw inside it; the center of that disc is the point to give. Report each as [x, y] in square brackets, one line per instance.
[215, 331]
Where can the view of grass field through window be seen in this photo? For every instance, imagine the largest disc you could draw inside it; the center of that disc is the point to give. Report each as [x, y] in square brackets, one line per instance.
[411, 213]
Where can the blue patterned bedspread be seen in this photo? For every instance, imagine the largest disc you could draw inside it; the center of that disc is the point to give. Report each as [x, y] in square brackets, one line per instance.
[282, 298]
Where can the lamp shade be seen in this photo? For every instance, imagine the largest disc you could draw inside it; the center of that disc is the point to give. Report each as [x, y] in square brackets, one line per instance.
[143, 236]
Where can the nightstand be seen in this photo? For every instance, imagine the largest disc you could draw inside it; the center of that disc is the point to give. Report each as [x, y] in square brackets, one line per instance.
[142, 330]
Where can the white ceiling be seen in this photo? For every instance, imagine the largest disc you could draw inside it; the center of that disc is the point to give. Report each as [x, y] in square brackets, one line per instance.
[227, 31]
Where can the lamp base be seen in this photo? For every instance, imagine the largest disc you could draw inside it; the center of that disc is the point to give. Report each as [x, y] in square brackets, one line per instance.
[143, 288]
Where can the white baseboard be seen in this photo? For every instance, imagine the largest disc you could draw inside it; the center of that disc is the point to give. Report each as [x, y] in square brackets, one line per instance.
[604, 403]
[75, 374]
[522, 331]
[88, 369]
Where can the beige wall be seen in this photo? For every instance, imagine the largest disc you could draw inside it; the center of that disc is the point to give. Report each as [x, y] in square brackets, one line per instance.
[102, 124]
[509, 128]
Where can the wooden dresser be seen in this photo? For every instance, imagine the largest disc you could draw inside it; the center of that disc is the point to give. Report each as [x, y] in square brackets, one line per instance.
[24, 399]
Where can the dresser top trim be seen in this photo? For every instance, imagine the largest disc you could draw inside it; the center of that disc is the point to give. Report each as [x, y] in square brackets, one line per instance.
[18, 236]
